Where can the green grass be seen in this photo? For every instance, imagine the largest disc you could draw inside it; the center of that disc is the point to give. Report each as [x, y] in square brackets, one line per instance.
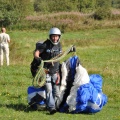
[98, 51]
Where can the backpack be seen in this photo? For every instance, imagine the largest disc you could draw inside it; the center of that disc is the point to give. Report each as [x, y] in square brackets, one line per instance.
[34, 64]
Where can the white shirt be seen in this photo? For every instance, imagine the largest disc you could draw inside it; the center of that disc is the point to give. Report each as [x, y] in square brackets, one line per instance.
[4, 38]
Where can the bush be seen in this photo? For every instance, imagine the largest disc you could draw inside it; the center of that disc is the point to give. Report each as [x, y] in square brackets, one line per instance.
[12, 11]
[102, 13]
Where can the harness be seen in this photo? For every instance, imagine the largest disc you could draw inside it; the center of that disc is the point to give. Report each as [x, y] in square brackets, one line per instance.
[48, 52]
[40, 77]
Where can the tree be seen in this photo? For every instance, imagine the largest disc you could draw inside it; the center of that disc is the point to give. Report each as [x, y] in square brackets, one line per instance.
[103, 3]
[41, 6]
[13, 11]
[102, 9]
[86, 5]
[55, 5]
[116, 3]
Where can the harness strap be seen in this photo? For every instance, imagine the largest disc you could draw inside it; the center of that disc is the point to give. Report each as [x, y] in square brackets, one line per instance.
[40, 78]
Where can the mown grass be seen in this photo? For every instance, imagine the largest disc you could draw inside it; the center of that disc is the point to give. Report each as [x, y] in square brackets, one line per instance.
[98, 51]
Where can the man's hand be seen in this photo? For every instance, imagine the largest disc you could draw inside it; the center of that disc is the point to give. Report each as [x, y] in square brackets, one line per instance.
[38, 59]
[73, 49]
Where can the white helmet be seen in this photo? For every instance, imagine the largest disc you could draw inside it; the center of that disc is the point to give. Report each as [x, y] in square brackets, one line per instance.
[54, 31]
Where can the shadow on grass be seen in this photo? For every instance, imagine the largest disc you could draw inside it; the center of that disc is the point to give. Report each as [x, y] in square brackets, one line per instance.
[28, 108]
[19, 107]
[23, 108]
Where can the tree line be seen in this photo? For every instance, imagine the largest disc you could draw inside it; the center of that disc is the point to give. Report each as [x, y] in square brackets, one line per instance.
[73, 5]
[14, 11]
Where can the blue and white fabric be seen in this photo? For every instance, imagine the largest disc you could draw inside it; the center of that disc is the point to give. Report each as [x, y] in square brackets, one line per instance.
[85, 94]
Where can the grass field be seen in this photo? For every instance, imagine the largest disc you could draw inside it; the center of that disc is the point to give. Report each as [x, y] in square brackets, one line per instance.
[99, 52]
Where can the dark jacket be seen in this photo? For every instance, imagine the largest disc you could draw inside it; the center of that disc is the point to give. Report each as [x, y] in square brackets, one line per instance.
[48, 51]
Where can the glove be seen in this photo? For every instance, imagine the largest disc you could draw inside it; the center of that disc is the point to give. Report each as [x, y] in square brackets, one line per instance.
[38, 59]
[73, 49]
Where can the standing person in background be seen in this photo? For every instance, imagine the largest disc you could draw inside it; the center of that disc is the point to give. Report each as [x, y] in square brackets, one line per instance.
[50, 49]
[4, 46]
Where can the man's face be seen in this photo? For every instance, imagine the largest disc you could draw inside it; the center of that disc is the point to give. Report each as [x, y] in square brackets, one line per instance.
[54, 38]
